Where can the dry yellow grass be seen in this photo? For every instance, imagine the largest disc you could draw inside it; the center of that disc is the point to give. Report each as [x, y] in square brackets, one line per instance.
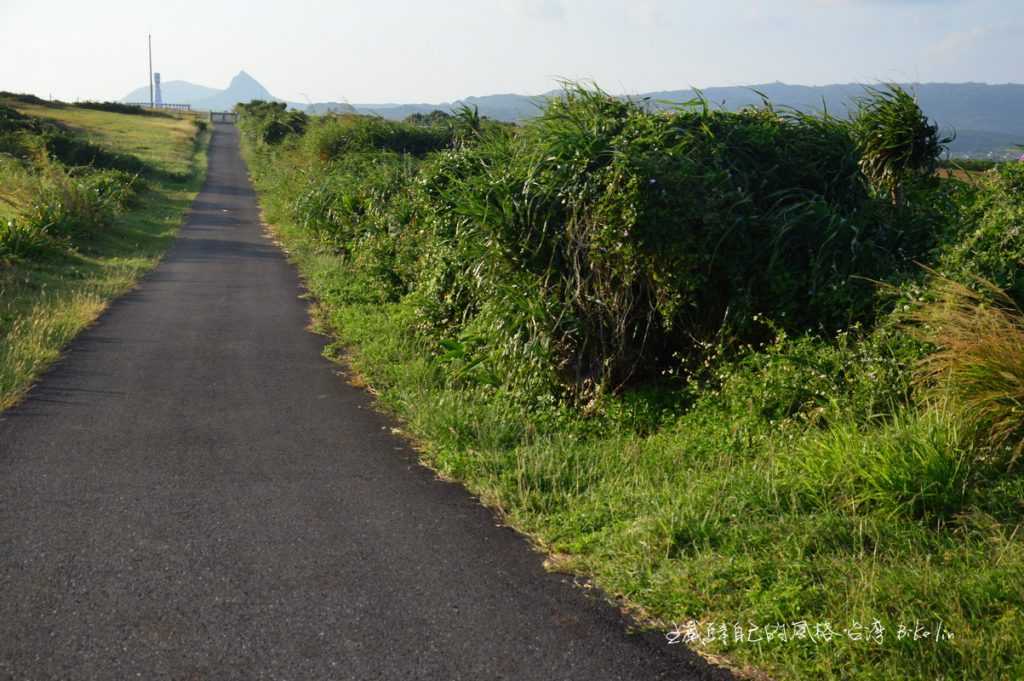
[979, 361]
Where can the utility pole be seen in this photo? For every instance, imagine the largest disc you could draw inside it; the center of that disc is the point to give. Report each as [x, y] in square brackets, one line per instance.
[150, 38]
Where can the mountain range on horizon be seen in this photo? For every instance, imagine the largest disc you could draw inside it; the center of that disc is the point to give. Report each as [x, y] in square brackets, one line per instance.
[242, 88]
[988, 119]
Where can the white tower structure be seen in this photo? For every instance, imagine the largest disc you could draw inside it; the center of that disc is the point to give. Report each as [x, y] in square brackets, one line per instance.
[156, 85]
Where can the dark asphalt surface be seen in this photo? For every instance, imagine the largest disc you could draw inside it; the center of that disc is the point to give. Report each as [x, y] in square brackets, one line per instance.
[193, 493]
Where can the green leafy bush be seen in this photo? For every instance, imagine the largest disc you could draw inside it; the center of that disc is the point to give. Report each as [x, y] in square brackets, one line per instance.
[647, 233]
[988, 241]
[271, 122]
[603, 243]
[335, 135]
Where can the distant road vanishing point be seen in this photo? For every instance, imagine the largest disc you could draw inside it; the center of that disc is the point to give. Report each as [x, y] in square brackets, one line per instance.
[193, 493]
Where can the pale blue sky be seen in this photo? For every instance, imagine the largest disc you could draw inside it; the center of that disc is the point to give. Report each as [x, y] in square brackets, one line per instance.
[417, 50]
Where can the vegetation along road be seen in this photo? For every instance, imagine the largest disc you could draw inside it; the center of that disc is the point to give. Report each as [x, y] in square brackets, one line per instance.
[194, 493]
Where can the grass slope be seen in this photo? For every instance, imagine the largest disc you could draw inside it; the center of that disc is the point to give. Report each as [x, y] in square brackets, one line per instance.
[45, 301]
[166, 142]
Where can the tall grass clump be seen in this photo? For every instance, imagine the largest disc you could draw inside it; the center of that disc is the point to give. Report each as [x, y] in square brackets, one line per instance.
[915, 464]
[898, 143]
[978, 363]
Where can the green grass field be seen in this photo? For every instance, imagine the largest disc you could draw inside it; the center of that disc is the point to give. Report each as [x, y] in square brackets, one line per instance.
[48, 296]
[166, 142]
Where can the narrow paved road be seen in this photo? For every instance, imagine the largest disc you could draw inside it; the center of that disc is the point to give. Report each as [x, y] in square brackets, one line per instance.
[193, 493]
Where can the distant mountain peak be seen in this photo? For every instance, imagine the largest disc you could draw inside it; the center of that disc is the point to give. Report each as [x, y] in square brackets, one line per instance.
[243, 77]
[243, 88]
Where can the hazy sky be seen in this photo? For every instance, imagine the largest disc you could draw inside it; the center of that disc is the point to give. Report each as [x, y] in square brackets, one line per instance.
[418, 50]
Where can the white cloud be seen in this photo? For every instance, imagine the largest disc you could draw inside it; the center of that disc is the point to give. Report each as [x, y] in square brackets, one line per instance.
[956, 42]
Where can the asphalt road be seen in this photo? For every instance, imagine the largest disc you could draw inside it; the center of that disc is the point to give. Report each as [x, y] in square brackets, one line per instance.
[194, 493]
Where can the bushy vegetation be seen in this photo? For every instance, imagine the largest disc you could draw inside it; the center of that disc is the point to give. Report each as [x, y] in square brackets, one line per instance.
[694, 354]
[989, 241]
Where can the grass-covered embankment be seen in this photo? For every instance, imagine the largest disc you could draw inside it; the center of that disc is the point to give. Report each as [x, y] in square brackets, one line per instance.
[696, 357]
[89, 201]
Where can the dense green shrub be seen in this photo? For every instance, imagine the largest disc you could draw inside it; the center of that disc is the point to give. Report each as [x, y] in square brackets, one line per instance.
[271, 122]
[435, 117]
[989, 239]
[603, 244]
[12, 120]
[116, 188]
[29, 99]
[641, 235]
[335, 135]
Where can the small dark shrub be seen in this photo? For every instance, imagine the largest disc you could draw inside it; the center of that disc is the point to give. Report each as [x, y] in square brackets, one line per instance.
[122, 108]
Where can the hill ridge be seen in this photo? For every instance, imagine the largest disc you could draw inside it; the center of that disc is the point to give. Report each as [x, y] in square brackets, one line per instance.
[989, 118]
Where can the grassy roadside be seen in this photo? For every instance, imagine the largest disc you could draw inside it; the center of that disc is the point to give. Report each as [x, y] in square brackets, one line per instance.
[46, 299]
[694, 518]
[806, 510]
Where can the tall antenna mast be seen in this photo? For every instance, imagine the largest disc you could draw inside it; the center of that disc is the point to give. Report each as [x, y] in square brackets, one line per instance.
[150, 39]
